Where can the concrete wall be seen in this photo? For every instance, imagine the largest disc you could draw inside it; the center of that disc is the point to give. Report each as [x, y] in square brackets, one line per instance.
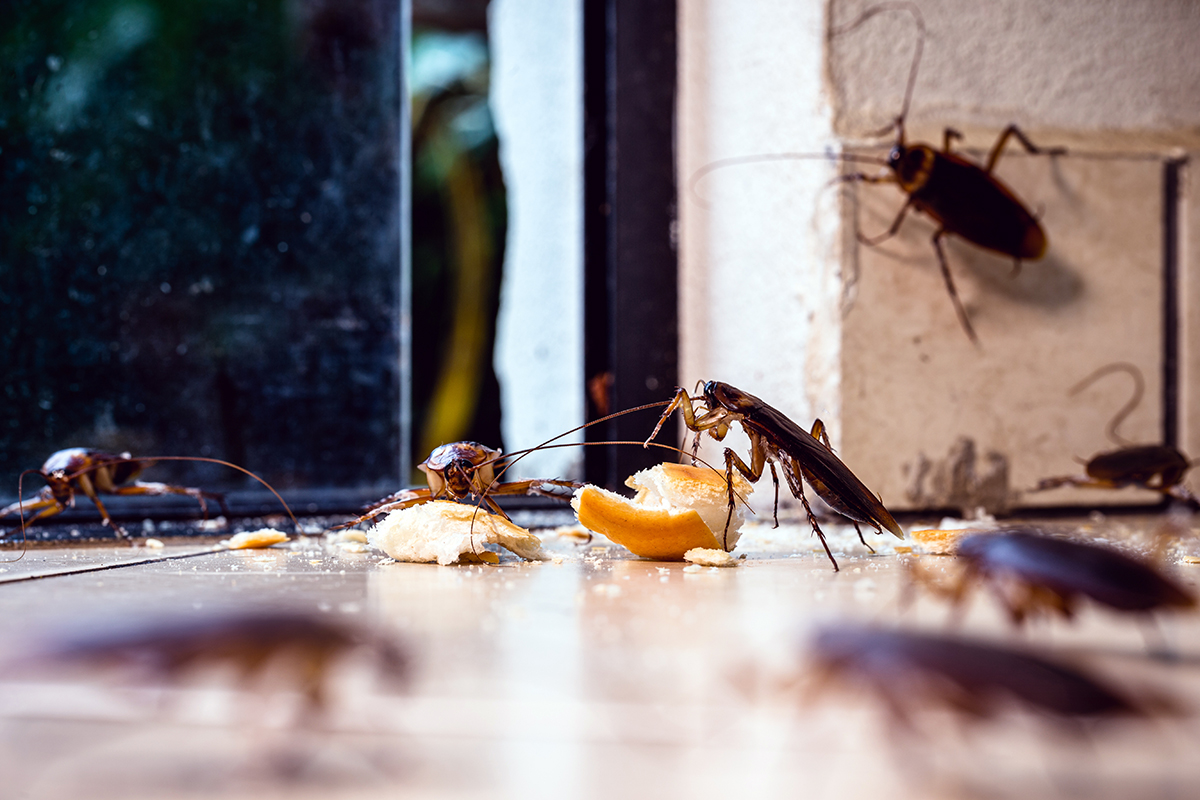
[1091, 73]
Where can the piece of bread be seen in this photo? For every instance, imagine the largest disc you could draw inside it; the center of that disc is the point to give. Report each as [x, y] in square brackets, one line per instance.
[248, 540]
[677, 508]
[941, 542]
[448, 532]
[709, 558]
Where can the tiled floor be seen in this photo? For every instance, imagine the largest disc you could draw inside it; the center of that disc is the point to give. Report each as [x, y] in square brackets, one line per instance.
[595, 674]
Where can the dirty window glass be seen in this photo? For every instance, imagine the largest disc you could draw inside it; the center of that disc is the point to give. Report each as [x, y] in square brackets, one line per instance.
[199, 239]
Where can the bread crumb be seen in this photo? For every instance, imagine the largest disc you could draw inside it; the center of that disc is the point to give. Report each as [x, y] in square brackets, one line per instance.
[350, 535]
[154, 544]
[575, 533]
[450, 533]
[939, 542]
[707, 557]
[248, 540]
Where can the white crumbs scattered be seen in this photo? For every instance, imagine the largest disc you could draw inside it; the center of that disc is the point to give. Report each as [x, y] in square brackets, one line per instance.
[705, 557]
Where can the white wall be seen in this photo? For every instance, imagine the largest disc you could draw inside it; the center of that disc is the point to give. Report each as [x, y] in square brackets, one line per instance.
[759, 279]
[537, 102]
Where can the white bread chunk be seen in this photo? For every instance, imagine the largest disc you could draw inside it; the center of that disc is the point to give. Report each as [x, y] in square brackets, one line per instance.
[449, 533]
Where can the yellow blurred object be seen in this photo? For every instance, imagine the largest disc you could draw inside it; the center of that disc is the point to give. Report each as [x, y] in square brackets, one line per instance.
[939, 542]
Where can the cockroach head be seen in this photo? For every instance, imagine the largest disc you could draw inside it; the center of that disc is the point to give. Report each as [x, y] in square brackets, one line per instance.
[912, 165]
[722, 395]
[59, 483]
[895, 157]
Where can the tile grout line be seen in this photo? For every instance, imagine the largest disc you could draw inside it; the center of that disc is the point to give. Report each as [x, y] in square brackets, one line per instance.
[102, 567]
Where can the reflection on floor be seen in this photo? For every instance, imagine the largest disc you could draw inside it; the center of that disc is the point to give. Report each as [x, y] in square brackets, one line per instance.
[593, 674]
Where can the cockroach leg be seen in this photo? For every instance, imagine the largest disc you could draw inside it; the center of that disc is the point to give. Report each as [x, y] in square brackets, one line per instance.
[775, 508]
[963, 319]
[858, 530]
[796, 484]
[893, 229]
[1033, 149]
[752, 473]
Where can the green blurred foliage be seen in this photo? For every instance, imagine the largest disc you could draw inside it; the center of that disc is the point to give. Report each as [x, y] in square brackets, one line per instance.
[460, 218]
[199, 252]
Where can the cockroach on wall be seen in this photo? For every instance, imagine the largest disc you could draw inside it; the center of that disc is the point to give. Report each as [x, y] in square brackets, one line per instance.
[962, 198]
[1157, 467]
[776, 439]
[93, 472]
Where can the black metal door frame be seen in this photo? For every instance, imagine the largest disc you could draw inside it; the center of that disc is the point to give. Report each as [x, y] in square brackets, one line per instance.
[631, 319]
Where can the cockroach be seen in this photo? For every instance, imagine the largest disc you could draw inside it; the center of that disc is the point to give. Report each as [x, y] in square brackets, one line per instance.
[962, 198]
[776, 439]
[303, 648]
[459, 471]
[93, 472]
[462, 471]
[1031, 573]
[912, 672]
[1157, 467]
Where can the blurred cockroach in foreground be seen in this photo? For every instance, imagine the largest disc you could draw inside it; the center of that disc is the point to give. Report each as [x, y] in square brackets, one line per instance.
[962, 198]
[775, 439]
[1031, 573]
[1157, 467]
[299, 651]
[911, 673]
[93, 473]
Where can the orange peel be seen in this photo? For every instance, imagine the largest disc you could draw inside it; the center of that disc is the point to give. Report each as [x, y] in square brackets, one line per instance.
[677, 508]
